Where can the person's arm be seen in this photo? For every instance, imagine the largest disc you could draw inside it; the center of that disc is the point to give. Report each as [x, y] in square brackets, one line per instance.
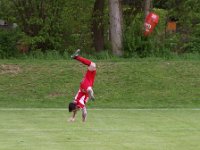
[72, 119]
[84, 114]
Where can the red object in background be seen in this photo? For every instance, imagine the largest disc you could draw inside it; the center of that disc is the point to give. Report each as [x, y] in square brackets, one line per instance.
[151, 21]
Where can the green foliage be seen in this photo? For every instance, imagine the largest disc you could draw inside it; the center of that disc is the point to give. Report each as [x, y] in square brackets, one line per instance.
[41, 21]
[191, 40]
[104, 55]
[48, 55]
[6, 11]
[194, 45]
[136, 45]
[52, 25]
[77, 19]
[8, 43]
[65, 25]
[188, 20]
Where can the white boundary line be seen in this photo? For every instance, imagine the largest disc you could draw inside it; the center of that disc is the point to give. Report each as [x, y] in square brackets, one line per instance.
[112, 109]
[99, 129]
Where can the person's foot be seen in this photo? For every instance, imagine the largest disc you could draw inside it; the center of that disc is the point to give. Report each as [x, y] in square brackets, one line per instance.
[75, 54]
[71, 119]
[91, 94]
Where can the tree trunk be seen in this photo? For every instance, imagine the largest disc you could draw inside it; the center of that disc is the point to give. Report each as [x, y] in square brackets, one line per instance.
[115, 14]
[97, 25]
[147, 7]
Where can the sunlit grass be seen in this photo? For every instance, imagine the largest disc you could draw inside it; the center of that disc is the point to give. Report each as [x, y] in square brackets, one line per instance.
[105, 129]
[126, 83]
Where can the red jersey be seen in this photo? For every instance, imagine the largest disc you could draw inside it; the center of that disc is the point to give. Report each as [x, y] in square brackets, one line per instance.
[82, 97]
[88, 80]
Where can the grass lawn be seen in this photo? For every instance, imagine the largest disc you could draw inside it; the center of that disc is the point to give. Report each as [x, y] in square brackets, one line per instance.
[105, 129]
[34, 95]
[130, 83]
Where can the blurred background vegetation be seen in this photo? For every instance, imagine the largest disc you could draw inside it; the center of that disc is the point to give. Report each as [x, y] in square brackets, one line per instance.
[57, 27]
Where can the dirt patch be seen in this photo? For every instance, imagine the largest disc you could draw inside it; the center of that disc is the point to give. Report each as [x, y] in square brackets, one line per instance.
[9, 69]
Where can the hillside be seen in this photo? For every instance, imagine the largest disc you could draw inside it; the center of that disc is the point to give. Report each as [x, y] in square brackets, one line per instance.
[141, 83]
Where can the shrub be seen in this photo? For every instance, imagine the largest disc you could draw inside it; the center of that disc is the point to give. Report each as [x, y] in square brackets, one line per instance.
[136, 45]
[8, 43]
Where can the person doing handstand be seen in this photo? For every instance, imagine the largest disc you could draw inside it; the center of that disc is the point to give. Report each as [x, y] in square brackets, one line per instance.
[85, 91]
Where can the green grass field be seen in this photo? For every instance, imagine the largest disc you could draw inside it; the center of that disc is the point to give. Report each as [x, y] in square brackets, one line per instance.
[105, 129]
[141, 104]
[142, 83]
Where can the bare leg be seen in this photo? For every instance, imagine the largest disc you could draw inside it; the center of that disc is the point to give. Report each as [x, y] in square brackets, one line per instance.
[79, 58]
[73, 117]
[91, 67]
[84, 114]
[91, 93]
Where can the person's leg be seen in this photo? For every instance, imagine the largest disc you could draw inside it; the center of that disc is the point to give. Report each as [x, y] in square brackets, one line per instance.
[84, 114]
[90, 74]
[91, 65]
[90, 93]
[79, 58]
[83, 60]
[79, 99]
[76, 53]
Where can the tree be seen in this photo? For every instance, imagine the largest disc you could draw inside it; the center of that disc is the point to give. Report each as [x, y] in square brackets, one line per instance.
[41, 21]
[5, 12]
[186, 14]
[97, 25]
[147, 7]
[116, 21]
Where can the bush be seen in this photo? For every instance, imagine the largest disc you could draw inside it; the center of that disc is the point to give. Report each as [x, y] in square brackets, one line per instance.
[193, 45]
[136, 45]
[8, 43]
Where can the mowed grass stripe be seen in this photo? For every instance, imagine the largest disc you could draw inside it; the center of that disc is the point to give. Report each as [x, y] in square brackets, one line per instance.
[104, 130]
[101, 130]
[97, 109]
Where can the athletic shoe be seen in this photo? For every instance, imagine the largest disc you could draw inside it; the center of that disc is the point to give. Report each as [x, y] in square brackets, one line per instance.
[76, 53]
